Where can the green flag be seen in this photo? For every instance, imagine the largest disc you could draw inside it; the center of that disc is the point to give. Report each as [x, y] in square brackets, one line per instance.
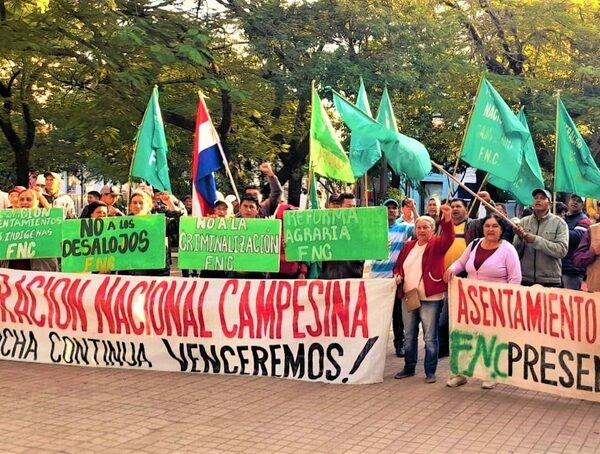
[576, 171]
[385, 114]
[529, 176]
[495, 137]
[364, 151]
[405, 155]
[150, 155]
[327, 156]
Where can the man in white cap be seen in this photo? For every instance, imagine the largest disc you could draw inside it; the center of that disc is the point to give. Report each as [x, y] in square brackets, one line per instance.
[542, 240]
[56, 197]
[109, 195]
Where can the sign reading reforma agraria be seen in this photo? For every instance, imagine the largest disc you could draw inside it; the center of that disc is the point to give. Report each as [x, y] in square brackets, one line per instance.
[537, 338]
[115, 243]
[30, 233]
[329, 331]
[336, 234]
[229, 244]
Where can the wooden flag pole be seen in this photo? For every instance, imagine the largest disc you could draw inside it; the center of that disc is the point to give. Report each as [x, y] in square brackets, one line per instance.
[478, 191]
[466, 188]
[555, 154]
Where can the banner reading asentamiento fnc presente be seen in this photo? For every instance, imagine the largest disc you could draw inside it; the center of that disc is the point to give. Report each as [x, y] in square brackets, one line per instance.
[542, 339]
[330, 331]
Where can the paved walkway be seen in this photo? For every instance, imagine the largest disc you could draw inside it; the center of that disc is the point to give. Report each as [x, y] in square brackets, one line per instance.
[49, 409]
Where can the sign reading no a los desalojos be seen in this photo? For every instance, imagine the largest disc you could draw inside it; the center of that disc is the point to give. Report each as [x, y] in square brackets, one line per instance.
[235, 244]
[112, 244]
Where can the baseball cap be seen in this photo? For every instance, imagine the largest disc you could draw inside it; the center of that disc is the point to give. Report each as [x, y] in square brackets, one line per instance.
[542, 191]
[575, 196]
[108, 189]
[387, 202]
[54, 174]
[40, 180]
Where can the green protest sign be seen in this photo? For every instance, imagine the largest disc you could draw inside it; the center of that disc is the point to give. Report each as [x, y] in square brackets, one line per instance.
[336, 234]
[30, 233]
[115, 243]
[235, 244]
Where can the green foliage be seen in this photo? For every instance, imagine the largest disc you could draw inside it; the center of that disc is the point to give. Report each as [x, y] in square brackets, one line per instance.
[83, 71]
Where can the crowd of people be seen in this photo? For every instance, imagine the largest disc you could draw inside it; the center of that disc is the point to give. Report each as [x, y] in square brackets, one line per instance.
[426, 251]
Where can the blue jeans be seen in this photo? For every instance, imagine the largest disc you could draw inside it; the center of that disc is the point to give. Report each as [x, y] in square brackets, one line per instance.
[428, 314]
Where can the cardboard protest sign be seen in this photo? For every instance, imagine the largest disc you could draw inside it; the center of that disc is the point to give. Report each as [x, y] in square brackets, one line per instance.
[229, 244]
[542, 339]
[336, 234]
[114, 243]
[327, 331]
[30, 233]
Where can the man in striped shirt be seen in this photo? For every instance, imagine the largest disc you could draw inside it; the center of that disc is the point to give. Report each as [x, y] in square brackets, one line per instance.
[398, 233]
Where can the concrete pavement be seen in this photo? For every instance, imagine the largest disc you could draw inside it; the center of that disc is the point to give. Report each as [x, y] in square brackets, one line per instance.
[51, 409]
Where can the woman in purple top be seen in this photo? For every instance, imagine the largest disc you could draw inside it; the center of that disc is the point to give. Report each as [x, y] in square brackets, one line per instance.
[489, 259]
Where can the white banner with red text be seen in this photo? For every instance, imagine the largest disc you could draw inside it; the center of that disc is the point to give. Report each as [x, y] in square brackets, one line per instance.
[329, 331]
[537, 338]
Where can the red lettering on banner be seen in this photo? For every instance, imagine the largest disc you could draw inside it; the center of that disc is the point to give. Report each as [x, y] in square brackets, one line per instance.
[318, 329]
[361, 309]
[102, 305]
[230, 283]
[475, 316]
[284, 287]
[298, 308]
[496, 306]
[4, 294]
[121, 319]
[462, 305]
[327, 308]
[133, 300]
[484, 305]
[552, 297]
[518, 315]
[265, 311]
[534, 312]
[566, 316]
[21, 308]
[591, 321]
[160, 305]
[340, 308]
[32, 310]
[173, 308]
[246, 321]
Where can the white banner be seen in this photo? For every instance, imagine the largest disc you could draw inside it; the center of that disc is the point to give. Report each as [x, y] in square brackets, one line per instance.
[542, 339]
[330, 331]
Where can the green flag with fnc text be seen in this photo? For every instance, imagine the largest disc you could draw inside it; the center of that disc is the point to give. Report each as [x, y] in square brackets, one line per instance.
[327, 156]
[495, 137]
[576, 171]
[364, 151]
[150, 155]
[529, 176]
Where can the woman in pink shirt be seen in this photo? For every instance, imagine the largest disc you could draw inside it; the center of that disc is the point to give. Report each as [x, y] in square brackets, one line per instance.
[489, 259]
